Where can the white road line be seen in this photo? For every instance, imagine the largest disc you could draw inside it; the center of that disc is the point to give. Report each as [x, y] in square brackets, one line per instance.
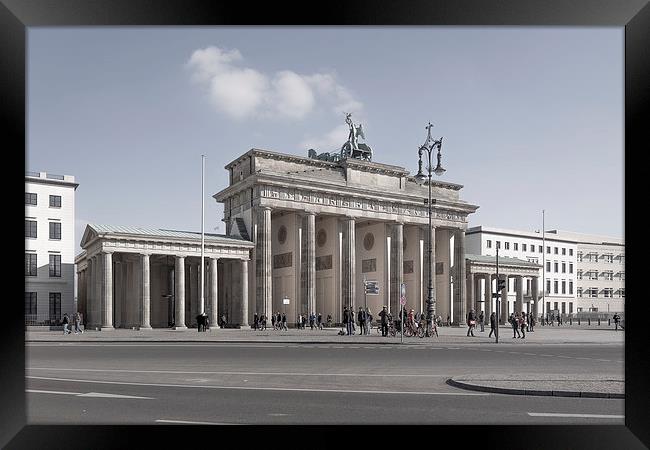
[190, 422]
[588, 416]
[303, 374]
[260, 388]
[89, 394]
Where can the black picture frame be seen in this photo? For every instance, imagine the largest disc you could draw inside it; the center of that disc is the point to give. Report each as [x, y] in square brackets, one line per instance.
[634, 15]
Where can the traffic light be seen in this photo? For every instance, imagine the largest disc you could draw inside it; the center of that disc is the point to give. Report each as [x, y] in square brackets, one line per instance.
[501, 285]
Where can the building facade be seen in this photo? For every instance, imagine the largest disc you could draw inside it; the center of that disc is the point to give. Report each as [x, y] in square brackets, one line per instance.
[571, 280]
[320, 228]
[49, 247]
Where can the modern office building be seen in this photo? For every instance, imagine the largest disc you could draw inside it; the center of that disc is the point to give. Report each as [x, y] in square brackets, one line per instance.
[49, 247]
[579, 272]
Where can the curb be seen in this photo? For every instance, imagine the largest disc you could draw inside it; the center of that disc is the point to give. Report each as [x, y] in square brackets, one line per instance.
[512, 391]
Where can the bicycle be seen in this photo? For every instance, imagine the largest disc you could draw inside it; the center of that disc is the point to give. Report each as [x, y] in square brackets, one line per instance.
[425, 329]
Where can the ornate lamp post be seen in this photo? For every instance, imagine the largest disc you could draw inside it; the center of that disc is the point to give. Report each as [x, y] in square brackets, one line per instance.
[420, 178]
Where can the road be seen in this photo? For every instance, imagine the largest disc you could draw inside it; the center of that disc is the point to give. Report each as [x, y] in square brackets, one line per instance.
[294, 383]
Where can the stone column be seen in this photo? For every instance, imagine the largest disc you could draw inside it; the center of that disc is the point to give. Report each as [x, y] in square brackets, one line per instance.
[194, 292]
[89, 292]
[349, 262]
[504, 301]
[145, 318]
[179, 295]
[535, 293]
[310, 255]
[487, 297]
[459, 281]
[97, 294]
[397, 265]
[471, 296]
[214, 303]
[519, 299]
[107, 289]
[264, 262]
[244, 295]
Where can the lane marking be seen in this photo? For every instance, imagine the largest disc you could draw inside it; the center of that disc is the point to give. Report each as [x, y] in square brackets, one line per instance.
[190, 422]
[588, 416]
[89, 394]
[66, 369]
[260, 388]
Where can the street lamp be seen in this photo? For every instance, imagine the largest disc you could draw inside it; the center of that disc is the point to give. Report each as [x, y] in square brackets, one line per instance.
[420, 178]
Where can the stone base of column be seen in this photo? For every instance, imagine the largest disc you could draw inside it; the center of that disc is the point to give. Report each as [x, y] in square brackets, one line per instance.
[183, 327]
[103, 328]
[148, 327]
[244, 327]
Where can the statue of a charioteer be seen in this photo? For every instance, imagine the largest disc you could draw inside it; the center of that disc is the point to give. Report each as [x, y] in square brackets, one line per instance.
[351, 149]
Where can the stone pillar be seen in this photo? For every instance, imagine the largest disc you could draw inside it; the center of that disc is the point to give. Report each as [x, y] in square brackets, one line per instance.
[459, 280]
[519, 299]
[179, 295]
[349, 260]
[535, 294]
[194, 293]
[145, 318]
[487, 297]
[107, 290]
[97, 294]
[214, 303]
[244, 294]
[471, 296]
[89, 293]
[504, 301]
[264, 262]
[310, 255]
[397, 265]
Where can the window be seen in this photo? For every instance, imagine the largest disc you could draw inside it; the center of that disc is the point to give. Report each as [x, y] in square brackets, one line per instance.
[570, 307]
[622, 275]
[55, 230]
[540, 249]
[548, 286]
[579, 274]
[593, 274]
[570, 267]
[593, 292]
[555, 250]
[523, 247]
[507, 245]
[489, 243]
[563, 287]
[609, 258]
[548, 249]
[563, 307]
[30, 228]
[563, 251]
[609, 275]
[55, 306]
[579, 292]
[570, 287]
[622, 259]
[555, 267]
[555, 305]
[579, 256]
[516, 246]
[563, 267]
[55, 201]
[30, 302]
[30, 264]
[55, 265]
[548, 306]
[548, 266]
[30, 198]
[498, 244]
[555, 284]
[570, 252]
[607, 292]
[621, 292]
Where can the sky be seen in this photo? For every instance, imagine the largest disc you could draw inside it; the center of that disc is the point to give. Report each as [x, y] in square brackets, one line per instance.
[531, 117]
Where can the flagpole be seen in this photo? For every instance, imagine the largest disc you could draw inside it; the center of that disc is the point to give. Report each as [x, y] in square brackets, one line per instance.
[202, 302]
[543, 269]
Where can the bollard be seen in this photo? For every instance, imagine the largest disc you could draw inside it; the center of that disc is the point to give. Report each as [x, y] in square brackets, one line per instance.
[589, 321]
[598, 318]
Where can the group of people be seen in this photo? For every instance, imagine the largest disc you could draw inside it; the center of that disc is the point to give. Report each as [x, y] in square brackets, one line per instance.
[76, 320]
[520, 322]
[363, 318]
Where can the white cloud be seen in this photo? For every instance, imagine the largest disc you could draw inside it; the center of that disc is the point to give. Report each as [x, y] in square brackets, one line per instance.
[242, 92]
[329, 142]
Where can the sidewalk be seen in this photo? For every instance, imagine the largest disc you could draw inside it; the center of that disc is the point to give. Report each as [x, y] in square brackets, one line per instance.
[447, 335]
[557, 385]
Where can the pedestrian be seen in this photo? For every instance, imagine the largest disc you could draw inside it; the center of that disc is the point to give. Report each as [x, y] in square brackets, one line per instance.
[206, 321]
[66, 321]
[493, 323]
[284, 322]
[278, 321]
[448, 321]
[361, 317]
[559, 320]
[223, 321]
[383, 316]
[320, 321]
[471, 322]
[273, 321]
[303, 321]
[199, 323]
[522, 324]
[345, 320]
[329, 321]
[263, 322]
[312, 320]
[617, 319]
[77, 321]
[368, 321]
[481, 320]
[256, 321]
[299, 321]
[514, 321]
[532, 322]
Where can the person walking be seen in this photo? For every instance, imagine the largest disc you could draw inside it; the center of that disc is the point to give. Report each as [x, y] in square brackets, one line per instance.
[532, 322]
[361, 318]
[256, 321]
[481, 320]
[346, 321]
[493, 324]
[223, 321]
[471, 322]
[514, 321]
[522, 325]
[312, 320]
[77, 320]
[368, 321]
[617, 319]
[284, 322]
[278, 321]
[299, 321]
[329, 321]
[320, 321]
[273, 321]
[66, 321]
[383, 316]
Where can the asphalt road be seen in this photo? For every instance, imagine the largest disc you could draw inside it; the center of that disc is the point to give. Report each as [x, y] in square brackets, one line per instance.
[285, 383]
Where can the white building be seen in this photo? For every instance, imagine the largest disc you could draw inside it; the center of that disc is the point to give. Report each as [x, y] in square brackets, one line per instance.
[573, 281]
[49, 247]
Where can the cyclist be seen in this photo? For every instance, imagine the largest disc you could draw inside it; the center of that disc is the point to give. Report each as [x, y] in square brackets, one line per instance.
[410, 321]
